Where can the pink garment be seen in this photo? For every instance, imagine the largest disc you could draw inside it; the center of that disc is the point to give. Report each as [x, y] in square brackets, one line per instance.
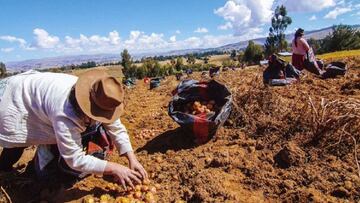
[301, 48]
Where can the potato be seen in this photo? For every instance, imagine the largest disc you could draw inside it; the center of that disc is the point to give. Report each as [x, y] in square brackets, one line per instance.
[105, 198]
[89, 200]
[147, 181]
[197, 103]
[138, 188]
[210, 106]
[144, 188]
[137, 195]
[123, 200]
[158, 159]
[152, 189]
[157, 186]
[149, 197]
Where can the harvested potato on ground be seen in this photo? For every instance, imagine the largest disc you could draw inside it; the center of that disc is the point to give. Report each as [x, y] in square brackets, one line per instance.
[89, 200]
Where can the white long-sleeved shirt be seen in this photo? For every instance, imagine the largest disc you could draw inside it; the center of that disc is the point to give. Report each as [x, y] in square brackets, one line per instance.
[34, 110]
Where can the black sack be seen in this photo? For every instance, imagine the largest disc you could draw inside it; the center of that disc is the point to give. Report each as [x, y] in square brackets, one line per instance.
[334, 69]
[155, 82]
[205, 126]
[279, 69]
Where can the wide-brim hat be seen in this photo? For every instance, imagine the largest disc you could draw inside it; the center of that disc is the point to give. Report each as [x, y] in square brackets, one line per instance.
[99, 96]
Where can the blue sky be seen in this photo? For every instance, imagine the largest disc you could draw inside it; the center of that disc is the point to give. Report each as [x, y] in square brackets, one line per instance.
[45, 28]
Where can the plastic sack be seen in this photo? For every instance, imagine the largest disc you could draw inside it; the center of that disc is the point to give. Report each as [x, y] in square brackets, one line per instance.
[334, 69]
[282, 82]
[155, 82]
[214, 71]
[204, 126]
[279, 70]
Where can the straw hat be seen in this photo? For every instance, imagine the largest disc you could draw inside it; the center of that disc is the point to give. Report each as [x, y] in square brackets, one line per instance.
[99, 96]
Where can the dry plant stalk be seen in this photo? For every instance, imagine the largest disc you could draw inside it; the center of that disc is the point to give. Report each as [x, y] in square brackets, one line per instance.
[333, 116]
[6, 194]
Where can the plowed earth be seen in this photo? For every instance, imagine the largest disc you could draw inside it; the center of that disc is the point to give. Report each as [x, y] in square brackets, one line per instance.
[281, 144]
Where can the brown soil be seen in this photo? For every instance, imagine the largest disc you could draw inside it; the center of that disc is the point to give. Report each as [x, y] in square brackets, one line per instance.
[281, 144]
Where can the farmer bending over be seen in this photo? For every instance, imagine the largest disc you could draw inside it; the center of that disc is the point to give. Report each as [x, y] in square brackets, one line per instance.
[54, 108]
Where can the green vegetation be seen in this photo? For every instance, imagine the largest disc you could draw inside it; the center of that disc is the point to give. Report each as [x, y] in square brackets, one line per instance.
[343, 37]
[126, 63]
[276, 41]
[253, 53]
[2, 70]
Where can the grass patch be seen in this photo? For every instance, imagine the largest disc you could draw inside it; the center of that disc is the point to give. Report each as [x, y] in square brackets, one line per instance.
[332, 55]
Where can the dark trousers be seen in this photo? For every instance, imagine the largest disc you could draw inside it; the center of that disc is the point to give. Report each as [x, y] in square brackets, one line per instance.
[9, 156]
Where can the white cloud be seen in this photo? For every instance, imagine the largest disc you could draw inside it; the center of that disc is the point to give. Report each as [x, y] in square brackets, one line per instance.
[307, 5]
[93, 43]
[44, 40]
[9, 38]
[177, 32]
[114, 37]
[312, 18]
[7, 50]
[173, 38]
[137, 42]
[245, 16]
[336, 12]
[225, 26]
[201, 30]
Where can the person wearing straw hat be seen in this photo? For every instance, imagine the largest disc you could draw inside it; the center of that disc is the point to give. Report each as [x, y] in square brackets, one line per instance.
[54, 108]
[300, 47]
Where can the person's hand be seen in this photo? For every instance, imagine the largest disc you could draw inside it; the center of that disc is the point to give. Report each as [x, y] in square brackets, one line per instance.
[135, 165]
[123, 175]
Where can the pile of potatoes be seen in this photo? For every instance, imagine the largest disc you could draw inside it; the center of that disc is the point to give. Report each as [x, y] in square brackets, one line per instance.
[146, 134]
[144, 193]
[197, 107]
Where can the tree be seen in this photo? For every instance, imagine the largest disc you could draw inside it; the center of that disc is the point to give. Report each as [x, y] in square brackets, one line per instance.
[233, 54]
[126, 62]
[253, 53]
[191, 59]
[343, 37]
[276, 41]
[240, 57]
[2, 69]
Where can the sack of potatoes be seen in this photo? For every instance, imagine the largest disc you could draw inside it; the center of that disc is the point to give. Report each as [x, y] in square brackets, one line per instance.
[200, 108]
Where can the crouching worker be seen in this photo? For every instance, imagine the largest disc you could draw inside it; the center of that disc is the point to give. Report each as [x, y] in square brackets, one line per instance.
[44, 109]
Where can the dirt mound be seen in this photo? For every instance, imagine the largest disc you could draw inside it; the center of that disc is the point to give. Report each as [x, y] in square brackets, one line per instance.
[281, 144]
[290, 155]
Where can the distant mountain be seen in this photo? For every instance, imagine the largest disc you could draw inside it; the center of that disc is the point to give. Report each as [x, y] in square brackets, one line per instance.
[105, 58]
